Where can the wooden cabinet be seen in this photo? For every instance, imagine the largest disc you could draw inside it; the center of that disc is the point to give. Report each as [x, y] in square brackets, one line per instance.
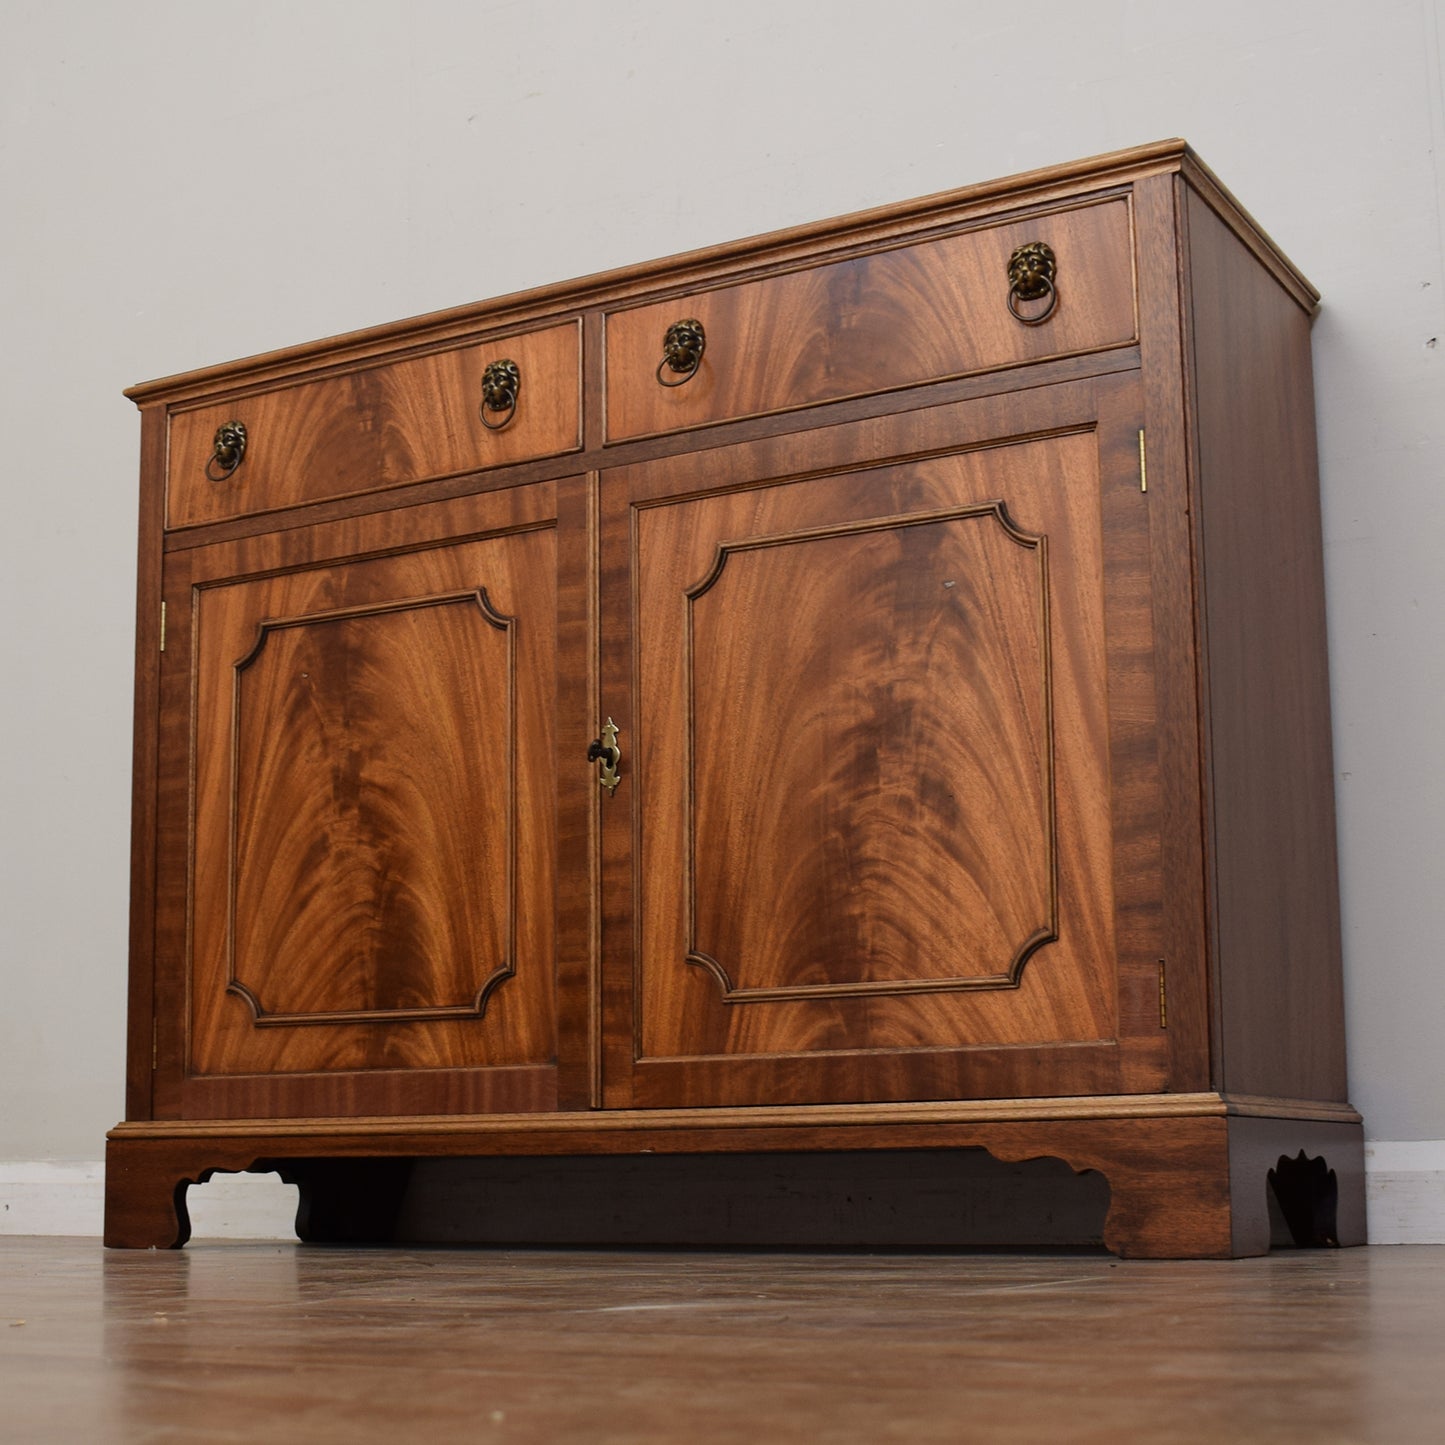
[950, 584]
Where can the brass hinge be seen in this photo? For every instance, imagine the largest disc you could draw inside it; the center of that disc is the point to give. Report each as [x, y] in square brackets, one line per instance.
[163, 615]
[1143, 466]
[1163, 999]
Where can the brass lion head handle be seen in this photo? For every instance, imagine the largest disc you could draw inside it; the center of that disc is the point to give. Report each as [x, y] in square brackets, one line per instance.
[228, 450]
[1031, 272]
[501, 385]
[682, 349]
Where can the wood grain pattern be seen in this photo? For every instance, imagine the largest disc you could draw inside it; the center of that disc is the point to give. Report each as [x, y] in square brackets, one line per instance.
[374, 774]
[367, 1135]
[651, 1346]
[874, 323]
[1175, 676]
[871, 786]
[1186, 1179]
[376, 427]
[140, 1003]
[578, 799]
[930, 1037]
[428, 896]
[872, 790]
[374, 810]
[554, 469]
[1271, 831]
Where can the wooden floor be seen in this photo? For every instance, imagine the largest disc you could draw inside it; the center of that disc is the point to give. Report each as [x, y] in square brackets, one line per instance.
[283, 1343]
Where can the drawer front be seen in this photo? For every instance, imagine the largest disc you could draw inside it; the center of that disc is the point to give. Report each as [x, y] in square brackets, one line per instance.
[878, 322]
[377, 427]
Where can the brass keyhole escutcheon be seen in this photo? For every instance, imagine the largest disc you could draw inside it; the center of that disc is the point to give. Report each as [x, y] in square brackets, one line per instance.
[606, 751]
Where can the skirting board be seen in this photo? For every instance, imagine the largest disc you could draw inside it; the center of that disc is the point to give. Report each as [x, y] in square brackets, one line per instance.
[1405, 1189]
[64, 1198]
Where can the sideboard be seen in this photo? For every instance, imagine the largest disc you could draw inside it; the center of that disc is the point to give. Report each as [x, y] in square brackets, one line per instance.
[862, 687]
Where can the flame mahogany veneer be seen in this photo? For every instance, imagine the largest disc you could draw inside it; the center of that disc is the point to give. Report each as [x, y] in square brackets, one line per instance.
[967, 655]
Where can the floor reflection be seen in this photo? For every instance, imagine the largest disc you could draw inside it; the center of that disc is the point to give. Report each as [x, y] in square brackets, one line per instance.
[300, 1343]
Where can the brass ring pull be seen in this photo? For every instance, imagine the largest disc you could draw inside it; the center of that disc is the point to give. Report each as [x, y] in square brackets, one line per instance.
[1031, 272]
[501, 386]
[682, 350]
[228, 450]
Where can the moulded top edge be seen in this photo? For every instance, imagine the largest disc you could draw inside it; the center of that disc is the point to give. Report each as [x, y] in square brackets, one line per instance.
[1226, 206]
[554, 301]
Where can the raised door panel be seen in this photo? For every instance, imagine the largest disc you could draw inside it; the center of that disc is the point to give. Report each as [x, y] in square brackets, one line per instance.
[373, 814]
[877, 844]
[910, 685]
[373, 862]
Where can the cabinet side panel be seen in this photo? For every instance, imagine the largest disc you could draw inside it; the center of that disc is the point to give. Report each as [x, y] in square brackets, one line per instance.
[1271, 826]
[1175, 667]
[143, 796]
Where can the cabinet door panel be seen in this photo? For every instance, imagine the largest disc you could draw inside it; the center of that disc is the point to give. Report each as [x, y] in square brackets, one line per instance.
[371, 843]
[872, 782]
[373, 875]
[910, 687]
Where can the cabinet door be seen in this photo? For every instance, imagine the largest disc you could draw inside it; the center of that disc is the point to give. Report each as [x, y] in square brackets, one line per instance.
[360, 720]
[889, 819]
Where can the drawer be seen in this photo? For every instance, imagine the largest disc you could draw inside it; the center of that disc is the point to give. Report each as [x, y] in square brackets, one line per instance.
[376, 427]
[893, 318]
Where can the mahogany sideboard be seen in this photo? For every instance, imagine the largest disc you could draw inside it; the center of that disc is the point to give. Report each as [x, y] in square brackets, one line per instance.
[862, 687]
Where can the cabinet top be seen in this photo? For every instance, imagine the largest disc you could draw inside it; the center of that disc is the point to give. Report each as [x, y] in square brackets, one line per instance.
[753, 254]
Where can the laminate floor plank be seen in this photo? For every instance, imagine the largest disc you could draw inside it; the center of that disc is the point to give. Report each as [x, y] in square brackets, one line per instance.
[277, 1342]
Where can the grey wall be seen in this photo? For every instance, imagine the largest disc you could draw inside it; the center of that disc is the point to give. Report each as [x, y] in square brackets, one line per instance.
[182, 183]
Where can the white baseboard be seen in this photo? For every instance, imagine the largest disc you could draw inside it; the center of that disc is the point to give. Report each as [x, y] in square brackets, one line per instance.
[1405, 1184]
[43, 1198]
[54, 1198]
[1405, 1191]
